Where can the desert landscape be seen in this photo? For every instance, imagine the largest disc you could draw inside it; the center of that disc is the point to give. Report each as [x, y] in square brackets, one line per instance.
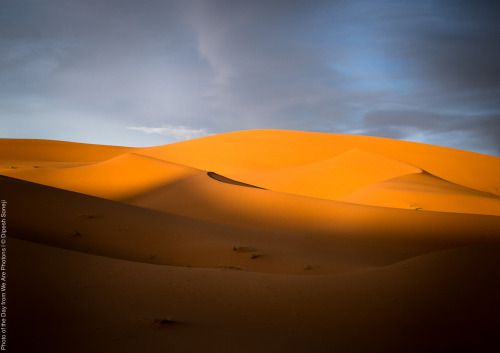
[251, 241]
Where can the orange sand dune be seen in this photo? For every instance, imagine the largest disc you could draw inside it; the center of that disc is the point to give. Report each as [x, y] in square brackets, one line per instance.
[264, 150]
[21, 152]
[272, 241]
[202, 197]
[308, 164]
[426, 192]
[117, 178]
[332, 178]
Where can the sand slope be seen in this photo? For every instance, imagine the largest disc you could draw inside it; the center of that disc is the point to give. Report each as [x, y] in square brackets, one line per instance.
[334, 242]
[427, 192]
[19, 153]
[332, 178]
[441, 302]
[273, 241]
[117, 178]
[264, 150]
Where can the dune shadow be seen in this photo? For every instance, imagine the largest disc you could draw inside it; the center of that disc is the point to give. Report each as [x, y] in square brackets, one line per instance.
[226, 180]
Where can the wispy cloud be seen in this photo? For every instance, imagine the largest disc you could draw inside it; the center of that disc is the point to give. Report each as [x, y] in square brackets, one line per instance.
[178, 132]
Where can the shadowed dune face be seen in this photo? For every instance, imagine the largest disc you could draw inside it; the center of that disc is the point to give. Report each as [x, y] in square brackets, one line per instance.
[434, 303]
[303, 237]
[285, 233]
[223, 179]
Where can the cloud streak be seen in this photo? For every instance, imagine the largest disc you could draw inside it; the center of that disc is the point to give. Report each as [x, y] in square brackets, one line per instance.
[177, 132]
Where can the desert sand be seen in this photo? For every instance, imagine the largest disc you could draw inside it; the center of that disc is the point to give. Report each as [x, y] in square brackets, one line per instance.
[262, 240]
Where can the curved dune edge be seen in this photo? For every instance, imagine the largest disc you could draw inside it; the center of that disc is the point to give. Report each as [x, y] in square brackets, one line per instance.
[117, 178]
[22, 152]
[332, 178]
[255, 151]
[226, 180]
[425, 192]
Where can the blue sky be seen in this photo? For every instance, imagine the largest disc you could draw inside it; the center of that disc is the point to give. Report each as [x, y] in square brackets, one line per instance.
[151, 72]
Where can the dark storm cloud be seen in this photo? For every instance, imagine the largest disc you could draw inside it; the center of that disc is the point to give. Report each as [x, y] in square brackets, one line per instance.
[449, 52]
[483, 133]
[457, 47]
[474, 132]
[398, 123]
[151, 72]
[265, 69]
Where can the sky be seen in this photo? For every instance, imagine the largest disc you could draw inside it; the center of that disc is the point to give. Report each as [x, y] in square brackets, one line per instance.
[151, 72]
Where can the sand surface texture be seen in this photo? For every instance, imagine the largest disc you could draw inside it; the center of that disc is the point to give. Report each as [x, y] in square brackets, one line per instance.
[265, 240]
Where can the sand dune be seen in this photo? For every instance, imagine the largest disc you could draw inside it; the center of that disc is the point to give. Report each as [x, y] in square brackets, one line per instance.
[202, 197]
[264, 150]
[20, 153]
[255, 240]
[426, 192]
[118, 178]
[332, 178]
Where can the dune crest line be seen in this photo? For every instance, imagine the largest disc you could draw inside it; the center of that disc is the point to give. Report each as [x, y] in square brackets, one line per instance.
[226, 180]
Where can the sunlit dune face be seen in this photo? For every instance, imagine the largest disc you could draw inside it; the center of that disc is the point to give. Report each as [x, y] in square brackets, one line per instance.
[332, 178]
[117, 178]
[356, 169]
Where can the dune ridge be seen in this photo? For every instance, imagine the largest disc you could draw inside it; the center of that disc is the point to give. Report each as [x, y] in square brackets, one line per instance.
[427, 192]
[226, 180]
[332, 178]
[117, 178]
[13, 151]
[265, 150]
